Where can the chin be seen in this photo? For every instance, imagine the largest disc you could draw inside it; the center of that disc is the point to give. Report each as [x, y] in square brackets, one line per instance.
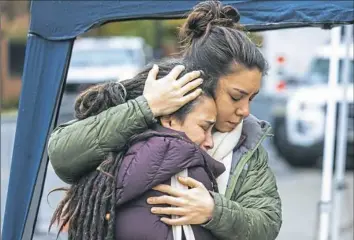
[224, 128]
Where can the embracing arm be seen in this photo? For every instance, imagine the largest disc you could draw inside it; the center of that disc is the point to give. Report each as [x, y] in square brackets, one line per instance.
[256, 213]
[78, 148]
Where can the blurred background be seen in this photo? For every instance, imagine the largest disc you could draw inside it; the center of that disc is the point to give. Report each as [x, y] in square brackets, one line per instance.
[299, 60]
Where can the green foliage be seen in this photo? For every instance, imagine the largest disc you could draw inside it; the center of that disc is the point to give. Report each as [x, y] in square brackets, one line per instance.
[9, 104]
[150, 30]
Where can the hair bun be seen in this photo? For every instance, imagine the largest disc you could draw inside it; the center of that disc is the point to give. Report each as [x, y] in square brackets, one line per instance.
[231, 13]
[207, 14]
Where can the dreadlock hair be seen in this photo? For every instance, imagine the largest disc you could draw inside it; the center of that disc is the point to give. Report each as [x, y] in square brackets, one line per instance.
[89, 205]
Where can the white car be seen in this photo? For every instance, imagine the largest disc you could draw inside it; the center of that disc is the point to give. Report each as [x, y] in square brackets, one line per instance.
[299, 128]
[98, 60]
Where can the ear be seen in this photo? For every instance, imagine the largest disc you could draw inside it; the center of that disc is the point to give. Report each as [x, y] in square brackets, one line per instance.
[166, 121]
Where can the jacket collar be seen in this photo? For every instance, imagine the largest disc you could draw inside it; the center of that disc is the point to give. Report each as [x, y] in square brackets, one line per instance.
[158, 128]
[252, 132]
[216, 167]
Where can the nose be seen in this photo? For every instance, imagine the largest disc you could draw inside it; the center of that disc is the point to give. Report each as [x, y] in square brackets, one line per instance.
[244, 110]
[209, 142]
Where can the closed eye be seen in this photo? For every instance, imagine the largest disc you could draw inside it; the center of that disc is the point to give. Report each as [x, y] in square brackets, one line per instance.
[253, 96]
[205, 128]
[236, 99]
[207, 125]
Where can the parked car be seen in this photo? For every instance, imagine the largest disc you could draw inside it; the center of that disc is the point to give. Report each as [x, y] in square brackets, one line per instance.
[299, 123]
[98, 60]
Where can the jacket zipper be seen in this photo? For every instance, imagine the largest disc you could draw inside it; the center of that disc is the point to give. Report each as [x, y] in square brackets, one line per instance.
[241, 165]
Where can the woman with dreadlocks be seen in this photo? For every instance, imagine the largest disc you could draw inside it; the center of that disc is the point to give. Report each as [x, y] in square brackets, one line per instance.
[110, 203]
[248, 205]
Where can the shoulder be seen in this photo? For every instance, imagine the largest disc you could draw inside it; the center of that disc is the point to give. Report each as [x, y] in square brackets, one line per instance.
[153, 144]
[259, 158]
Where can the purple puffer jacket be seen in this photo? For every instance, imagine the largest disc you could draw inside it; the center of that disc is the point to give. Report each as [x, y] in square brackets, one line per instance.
[150, 162]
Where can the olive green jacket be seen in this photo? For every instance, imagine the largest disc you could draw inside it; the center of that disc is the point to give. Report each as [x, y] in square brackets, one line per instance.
[250, 208]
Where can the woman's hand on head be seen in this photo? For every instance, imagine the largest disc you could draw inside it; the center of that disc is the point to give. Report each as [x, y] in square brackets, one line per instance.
[168, 94]
[193, 206]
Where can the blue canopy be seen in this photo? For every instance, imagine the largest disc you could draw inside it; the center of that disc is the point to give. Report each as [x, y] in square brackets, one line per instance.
[53, 28]
[56, 20]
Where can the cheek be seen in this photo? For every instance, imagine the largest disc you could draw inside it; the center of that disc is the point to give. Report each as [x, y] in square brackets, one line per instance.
[198, 136]
[226, 108]
[193, 132]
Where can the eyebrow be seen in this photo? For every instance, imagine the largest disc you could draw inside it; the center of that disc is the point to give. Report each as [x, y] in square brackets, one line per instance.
[241, 91]
[244, 92]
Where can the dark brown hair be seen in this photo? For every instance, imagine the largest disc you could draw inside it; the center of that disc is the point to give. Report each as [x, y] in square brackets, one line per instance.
[214, 41]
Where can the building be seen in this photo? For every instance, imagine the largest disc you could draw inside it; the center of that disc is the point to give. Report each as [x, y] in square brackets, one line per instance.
[14, 24]
[10, 83]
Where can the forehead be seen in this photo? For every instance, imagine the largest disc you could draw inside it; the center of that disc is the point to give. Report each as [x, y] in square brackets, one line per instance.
[205, 109]
[245, 79]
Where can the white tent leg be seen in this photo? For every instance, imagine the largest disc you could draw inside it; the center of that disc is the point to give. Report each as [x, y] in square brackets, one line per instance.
[325, 205]
[339, 179]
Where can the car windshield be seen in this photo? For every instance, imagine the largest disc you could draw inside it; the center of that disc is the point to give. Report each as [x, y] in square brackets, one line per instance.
[106, 57]
[320, 70]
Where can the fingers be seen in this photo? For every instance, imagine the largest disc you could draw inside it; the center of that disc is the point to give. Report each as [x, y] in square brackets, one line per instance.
[191, 96]
[177, 221]
[153, 73]
[188, 77]
[175, 72]
[169, 190]
[190, 182]
[191, 85]
[173, 201]
[169, 211]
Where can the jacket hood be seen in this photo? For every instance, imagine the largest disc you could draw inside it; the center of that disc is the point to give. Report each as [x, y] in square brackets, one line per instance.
[253, 131]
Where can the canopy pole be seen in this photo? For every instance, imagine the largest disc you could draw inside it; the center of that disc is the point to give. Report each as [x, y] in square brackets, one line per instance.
[40, 96]
[325, 204]
[339, 178]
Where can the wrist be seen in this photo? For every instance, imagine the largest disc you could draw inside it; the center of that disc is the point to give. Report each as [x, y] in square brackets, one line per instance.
[156, 112]
[210, 209]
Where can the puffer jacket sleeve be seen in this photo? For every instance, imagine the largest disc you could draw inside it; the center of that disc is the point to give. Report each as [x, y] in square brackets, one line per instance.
[256, 212]
[78, 148]
[156, 161]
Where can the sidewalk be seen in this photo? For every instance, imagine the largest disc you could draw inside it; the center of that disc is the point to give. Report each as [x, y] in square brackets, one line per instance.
[300, 194]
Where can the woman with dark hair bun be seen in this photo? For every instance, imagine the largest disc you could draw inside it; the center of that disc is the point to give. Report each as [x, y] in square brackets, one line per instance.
[247, 205]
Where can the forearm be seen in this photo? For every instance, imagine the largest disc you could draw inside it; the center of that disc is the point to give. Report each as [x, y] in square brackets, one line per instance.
[79, 148]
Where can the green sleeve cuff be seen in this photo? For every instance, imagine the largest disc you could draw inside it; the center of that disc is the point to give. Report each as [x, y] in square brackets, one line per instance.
[217, 213]
[146, 110]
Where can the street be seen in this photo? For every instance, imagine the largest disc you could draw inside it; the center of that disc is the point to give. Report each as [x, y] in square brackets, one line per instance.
[299, 189]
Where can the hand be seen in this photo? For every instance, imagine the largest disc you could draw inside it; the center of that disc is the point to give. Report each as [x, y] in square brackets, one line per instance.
[167, 94]
[194, 206]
